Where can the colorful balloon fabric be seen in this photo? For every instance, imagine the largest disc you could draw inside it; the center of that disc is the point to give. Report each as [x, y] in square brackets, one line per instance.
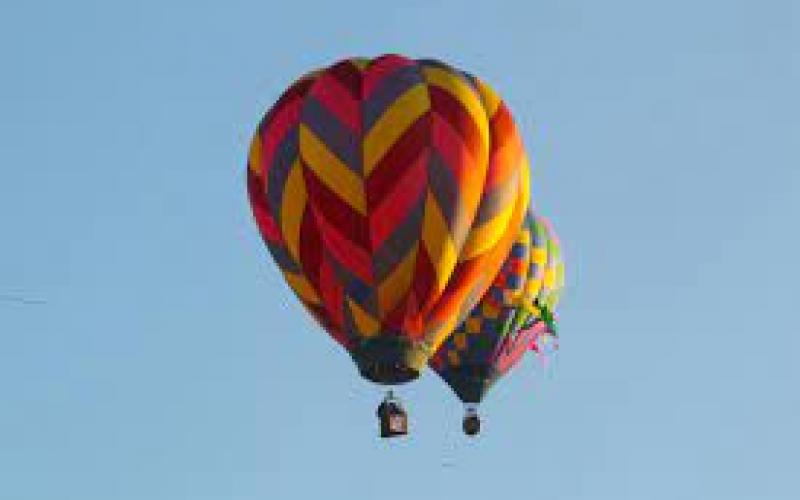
[554, 271]
[388, 191]
[538, 320]
[509, 319]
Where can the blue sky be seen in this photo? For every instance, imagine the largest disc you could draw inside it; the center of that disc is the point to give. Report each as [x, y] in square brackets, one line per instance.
[169, 361]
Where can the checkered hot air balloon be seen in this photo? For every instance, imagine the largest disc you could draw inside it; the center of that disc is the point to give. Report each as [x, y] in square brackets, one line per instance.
[515, 315]
[388, 191]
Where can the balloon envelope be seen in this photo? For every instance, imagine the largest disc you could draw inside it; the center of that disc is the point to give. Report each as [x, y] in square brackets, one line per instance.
[388, 191]
[508, 320]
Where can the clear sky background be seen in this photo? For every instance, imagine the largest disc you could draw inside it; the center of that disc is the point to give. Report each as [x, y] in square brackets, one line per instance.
[170, 362]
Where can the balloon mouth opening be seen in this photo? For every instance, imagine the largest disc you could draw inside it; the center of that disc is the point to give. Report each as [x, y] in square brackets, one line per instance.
[471, 425]
[387, 360]
[387, 373]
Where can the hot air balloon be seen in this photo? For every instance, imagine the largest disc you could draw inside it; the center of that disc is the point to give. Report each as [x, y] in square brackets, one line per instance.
[514, 316]
[388, 191]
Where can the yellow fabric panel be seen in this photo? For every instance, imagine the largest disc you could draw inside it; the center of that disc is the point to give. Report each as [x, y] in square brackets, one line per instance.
[292, 207]
[558, 285]
[455, 85]
[525, 181]
[491, 101]
[331, 171]
[302, 287]
[366, 324]
[438, 243]
[549, 278]
[532, 309]
[524, 237]
[539, 256]
[396, 286]
[483, 238]
[394, 122]
[256, 156]
[532, 288]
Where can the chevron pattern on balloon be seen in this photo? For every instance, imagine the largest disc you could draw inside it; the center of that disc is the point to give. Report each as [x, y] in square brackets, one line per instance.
[389, 192]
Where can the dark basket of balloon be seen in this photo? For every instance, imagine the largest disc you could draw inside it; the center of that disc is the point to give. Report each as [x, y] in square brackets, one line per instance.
[393, 418]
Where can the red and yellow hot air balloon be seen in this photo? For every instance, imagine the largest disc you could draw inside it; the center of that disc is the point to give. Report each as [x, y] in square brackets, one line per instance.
[389, 192]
